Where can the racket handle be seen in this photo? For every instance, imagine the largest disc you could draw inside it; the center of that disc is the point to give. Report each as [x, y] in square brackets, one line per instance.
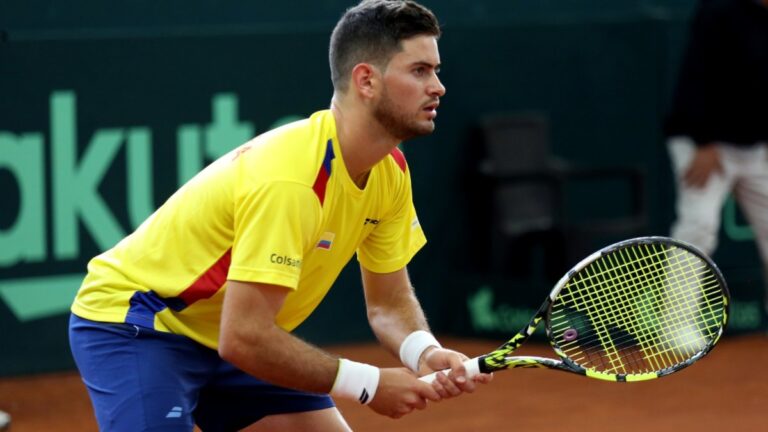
[472, 366]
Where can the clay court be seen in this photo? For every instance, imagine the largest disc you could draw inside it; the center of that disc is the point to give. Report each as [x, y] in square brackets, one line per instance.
[726, 391]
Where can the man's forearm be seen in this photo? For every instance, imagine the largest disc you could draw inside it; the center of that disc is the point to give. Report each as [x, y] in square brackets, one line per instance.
[276, 356]
[392, 322]
[394, 314]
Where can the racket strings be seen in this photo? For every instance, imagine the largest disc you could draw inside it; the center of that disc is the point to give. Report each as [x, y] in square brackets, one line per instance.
[645, 342]
[626, 314]
[624, 346]
[682, 305]
[645, 309]
[623, 301]
[616, 361]
[614, 350]
[690, 321]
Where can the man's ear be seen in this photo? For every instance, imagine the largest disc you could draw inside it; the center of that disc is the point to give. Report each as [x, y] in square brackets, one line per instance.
[365, 79]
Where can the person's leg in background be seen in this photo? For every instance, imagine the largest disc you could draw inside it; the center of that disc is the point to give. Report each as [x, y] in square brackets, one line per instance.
[698, 210]
[751, 192]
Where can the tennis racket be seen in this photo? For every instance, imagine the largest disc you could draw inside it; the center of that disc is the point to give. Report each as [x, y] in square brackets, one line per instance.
[633, 311]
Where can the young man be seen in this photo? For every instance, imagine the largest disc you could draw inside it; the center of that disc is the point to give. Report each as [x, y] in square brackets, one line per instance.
[187, 320]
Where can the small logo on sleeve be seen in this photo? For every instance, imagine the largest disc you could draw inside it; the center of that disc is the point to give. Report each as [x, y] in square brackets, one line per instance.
[284, 260]
[326, 241]
[371, 221]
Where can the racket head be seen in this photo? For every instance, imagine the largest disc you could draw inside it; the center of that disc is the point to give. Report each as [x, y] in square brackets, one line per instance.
[637, 310]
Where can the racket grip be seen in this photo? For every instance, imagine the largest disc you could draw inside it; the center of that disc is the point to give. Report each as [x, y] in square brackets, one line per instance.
[472, 366]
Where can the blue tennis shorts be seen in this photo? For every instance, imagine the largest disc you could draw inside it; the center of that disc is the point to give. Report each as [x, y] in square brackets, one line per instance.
[140, 379]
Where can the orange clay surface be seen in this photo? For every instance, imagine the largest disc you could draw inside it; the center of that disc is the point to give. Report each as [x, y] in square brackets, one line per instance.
[725, 391]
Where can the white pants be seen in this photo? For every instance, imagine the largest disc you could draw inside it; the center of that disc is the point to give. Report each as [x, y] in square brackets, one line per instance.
[745, 174]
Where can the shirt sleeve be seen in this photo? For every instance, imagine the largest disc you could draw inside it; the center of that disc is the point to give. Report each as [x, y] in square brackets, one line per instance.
[396, 239]
[274, 224]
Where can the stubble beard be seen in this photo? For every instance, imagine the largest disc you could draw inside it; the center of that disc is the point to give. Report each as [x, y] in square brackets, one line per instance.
[397, 123]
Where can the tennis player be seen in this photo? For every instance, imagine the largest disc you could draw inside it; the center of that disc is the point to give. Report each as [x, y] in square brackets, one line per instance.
[188, 319]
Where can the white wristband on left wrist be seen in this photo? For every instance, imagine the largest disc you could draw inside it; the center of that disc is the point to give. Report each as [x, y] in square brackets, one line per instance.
[414, 346]
[356, 381]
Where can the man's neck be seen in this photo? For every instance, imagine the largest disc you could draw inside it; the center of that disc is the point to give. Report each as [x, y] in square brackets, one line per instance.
[362, 140]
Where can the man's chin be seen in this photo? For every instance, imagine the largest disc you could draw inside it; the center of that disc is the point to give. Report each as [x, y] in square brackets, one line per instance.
[424, 127]
[417, 132]
[427, 128]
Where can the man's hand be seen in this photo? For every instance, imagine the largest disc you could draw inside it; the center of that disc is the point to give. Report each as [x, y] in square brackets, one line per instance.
[705, 162]
[400, 392]
[436, 359]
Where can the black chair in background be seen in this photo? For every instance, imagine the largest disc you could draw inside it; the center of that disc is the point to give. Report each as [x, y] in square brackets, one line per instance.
[534, 231]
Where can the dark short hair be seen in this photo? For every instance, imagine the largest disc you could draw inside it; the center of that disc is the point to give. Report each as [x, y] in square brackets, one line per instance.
[372, 31]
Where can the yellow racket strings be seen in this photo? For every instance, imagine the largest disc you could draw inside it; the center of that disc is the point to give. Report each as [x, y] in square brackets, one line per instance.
[680, 319]
[605, 337]
[617, 350]
[646, 307]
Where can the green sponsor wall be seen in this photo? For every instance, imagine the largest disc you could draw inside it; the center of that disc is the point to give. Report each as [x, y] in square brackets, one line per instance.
[106, 108]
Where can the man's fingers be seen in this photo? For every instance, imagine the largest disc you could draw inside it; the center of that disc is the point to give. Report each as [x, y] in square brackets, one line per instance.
[483, 378]
[458, 370]
[449, 385]
[467, 385]
[427, 391]
[418, 403]
[439, 385]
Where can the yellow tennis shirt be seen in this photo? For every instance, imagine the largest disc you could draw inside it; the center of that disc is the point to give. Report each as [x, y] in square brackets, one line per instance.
[280, 209]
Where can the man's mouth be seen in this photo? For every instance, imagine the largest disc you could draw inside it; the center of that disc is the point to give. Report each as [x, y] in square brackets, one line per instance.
[432, 108]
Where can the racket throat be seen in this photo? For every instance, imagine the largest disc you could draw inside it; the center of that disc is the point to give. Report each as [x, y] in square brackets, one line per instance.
[483, 366]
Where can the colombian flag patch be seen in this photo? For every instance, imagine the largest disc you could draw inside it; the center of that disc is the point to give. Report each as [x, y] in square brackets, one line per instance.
[326, 241]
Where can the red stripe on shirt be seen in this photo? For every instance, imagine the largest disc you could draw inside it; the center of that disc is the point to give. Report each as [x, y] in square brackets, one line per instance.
[320, 183]
[210, 282]
[399, 157]
[324, 173]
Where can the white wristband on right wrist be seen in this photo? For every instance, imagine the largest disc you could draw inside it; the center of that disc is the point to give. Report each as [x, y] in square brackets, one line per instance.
[413, 347]
[357, 381]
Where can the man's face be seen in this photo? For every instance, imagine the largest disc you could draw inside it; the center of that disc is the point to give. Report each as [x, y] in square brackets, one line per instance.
[411, 89]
